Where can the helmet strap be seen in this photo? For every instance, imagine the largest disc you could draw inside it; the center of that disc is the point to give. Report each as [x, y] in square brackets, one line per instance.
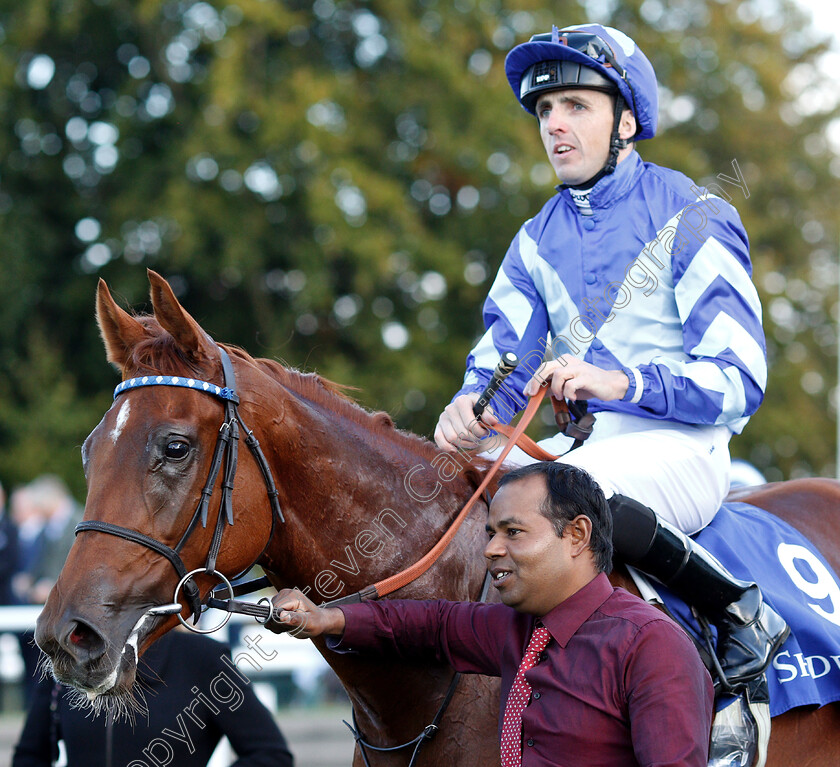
[616, 145]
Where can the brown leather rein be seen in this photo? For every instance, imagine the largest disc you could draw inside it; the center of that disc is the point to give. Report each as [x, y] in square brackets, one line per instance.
[389, 585]
[516, 437]
[578, 429]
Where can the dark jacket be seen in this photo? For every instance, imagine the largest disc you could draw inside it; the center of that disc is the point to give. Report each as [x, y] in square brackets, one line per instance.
[8, 557]
[194, 698]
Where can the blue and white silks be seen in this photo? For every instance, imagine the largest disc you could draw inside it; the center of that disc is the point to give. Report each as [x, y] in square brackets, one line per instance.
[656, 282]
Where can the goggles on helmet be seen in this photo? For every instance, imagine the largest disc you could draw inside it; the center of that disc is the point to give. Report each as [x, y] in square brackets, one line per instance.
[584, 42]
[551, 75]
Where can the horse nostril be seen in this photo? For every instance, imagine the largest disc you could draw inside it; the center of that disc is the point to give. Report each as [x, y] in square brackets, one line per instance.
[83, 640]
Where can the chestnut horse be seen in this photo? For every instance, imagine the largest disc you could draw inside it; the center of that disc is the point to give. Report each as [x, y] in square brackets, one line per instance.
[360, 500]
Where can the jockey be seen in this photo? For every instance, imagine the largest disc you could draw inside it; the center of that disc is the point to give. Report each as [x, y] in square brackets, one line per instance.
[634, 285]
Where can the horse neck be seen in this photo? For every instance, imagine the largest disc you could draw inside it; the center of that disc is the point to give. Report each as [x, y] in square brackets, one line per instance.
[362, 500]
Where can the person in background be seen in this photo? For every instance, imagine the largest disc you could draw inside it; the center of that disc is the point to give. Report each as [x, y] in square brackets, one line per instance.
[46, 514]
[194, 698]
[8, 551]
[58, 512]
[8, 560]
[30, 523]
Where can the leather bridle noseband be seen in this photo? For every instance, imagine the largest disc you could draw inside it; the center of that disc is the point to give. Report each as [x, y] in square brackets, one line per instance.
[226, 452]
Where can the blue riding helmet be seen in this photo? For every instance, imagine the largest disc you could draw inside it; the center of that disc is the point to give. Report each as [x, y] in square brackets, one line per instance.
[608, 60]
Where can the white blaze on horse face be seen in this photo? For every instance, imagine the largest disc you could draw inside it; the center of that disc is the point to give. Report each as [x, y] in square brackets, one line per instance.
[122, 418]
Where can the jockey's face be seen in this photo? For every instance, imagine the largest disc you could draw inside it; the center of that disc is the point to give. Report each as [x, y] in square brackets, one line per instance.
[575, 127]
[533, 568]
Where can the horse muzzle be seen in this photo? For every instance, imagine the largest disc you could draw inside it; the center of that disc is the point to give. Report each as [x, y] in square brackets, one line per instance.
[80, 654]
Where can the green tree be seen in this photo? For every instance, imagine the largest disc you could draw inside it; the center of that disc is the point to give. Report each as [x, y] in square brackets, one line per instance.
[335, 183]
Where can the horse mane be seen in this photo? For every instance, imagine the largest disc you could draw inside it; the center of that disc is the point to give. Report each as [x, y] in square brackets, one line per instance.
[337, 398]
[159, 354]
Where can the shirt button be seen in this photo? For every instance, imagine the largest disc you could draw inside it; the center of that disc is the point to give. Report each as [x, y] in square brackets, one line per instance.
[588, 224]
[590, 278]
[530, 742]
[536, 696]
[596, 344]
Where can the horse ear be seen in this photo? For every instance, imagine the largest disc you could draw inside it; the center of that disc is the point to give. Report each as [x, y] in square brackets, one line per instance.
[173, 318]
[120, 331]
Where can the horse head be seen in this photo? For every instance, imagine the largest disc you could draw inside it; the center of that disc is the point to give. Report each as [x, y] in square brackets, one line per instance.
[146, 464]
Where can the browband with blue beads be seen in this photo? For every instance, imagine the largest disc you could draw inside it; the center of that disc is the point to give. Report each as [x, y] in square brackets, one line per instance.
[222, 392]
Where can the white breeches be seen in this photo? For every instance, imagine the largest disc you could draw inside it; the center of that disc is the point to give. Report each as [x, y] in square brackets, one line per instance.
[681, 471]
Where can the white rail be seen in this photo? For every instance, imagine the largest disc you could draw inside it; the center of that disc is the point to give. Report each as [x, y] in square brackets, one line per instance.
[259, 651]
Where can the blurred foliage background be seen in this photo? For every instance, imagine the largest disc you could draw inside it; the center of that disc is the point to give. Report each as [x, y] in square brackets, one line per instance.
[334, 184]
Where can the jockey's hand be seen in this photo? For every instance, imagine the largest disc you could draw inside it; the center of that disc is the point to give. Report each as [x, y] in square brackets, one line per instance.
[458, 427]
[292, 612]
[575, 379]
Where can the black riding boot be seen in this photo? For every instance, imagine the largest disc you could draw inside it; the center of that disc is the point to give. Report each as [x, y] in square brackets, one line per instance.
[749, 630]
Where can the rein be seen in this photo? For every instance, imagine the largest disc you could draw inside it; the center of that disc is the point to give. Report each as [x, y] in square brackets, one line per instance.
[403, 578]
[397, 581]
[226, 453]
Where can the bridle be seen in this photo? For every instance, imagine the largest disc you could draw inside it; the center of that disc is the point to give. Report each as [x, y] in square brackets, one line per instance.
[225, 452]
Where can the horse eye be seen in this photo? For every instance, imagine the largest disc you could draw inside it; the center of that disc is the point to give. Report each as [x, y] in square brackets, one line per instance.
[176, 450]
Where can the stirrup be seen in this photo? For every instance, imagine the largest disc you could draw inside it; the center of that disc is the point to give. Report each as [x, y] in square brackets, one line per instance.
[741, 730]
[733, 742]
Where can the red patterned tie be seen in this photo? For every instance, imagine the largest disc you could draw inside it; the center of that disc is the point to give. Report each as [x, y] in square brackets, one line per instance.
[518, 696]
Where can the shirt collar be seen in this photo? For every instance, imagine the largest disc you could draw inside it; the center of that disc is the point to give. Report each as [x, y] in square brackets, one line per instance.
[564, 620]
[612, 187]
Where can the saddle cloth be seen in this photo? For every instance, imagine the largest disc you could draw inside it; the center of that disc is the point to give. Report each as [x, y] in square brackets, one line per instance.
[799, 584]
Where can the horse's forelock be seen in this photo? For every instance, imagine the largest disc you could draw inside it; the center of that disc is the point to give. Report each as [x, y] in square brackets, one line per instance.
[160, 354]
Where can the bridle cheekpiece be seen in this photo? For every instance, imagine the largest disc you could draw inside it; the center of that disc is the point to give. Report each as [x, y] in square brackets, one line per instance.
[226, 452]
